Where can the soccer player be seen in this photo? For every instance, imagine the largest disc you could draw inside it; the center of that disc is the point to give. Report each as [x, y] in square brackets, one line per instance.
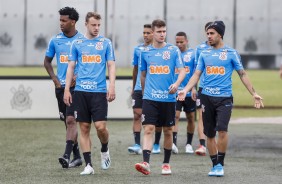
[189, 105]
[218, 63]
[59, 45]
[137, 89]
[158, 63]
[92, 54]
[201, 150]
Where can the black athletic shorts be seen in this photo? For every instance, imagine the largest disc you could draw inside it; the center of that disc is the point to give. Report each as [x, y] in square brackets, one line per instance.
[158, 113]
[90, 106]
[137, 99]
[64, 110]
[216, 113]
[198, 101]
[188, 105]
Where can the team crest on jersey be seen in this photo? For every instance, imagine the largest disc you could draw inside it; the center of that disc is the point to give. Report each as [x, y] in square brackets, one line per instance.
[21, 100]
[166, 55]
[99, 46]
[187, 57]
[222, 56]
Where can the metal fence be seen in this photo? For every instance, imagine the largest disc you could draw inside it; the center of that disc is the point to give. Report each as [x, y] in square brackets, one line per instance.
[252, 27]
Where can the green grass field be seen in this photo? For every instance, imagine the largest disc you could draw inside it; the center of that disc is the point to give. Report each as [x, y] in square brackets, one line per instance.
[266, 82]
[30, 150]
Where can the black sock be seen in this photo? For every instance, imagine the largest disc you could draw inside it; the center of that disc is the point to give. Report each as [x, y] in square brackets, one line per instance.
[213, 159]
[146, 156]
[203, 142]
[189, 138]
[157, 137]
[137, 137]
[87, 158]
[68, 150]
[167, 154]
[220, 158]
[75, 150]
[175, 138]
[104, 147]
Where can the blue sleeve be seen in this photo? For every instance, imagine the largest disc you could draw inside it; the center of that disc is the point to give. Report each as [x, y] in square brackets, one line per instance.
[195, 63]
[200, 64]
[73, 53]
[135, 57]
[143, 62]
[236, 61]
[110, 55]
[50, 51]
[179, 62]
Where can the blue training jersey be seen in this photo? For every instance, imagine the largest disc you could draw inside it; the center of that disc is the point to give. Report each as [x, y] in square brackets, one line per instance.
[60, 45]
[188, 58]
[160, 64]
[136, 61]
[218, 66]
[198, 51]
[91, 56]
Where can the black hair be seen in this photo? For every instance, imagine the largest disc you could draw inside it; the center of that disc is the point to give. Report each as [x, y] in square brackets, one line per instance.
[71, 12]
[147, 25]
[181, 34]
[207, 25]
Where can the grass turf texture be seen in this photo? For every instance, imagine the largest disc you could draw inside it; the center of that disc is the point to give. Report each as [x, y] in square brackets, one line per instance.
[30, 151]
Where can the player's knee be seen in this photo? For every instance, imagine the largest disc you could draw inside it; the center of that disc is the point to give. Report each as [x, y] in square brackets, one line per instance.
[70, 121]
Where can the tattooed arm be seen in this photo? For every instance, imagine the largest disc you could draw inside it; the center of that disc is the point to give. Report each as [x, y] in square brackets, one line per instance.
[246, 81]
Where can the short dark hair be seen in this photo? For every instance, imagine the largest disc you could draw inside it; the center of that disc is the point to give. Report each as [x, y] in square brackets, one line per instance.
[148, 26]
[158, 23]
[207, 25]
[92, 14]
[181, 33]
[71, 12]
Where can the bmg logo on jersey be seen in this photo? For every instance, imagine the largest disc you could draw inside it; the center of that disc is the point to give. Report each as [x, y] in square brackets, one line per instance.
[187, 70]
[91, 59]
[63, 58]
[166, 55]
[99, 46]
[159, 69]
[215, 70]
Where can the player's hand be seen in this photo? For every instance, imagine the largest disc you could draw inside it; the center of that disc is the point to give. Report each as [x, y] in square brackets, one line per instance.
[73, 81]
[172, 89]
[111, 95]
[57, 83]
[181, 95]
[258, 101]
[67, 98]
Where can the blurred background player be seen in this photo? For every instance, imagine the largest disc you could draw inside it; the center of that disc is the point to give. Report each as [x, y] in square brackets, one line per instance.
[201, 150]
[92, 54]
[188, 105]
[218, 63]
[59, 45]
[158, 63]
[137, 89]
